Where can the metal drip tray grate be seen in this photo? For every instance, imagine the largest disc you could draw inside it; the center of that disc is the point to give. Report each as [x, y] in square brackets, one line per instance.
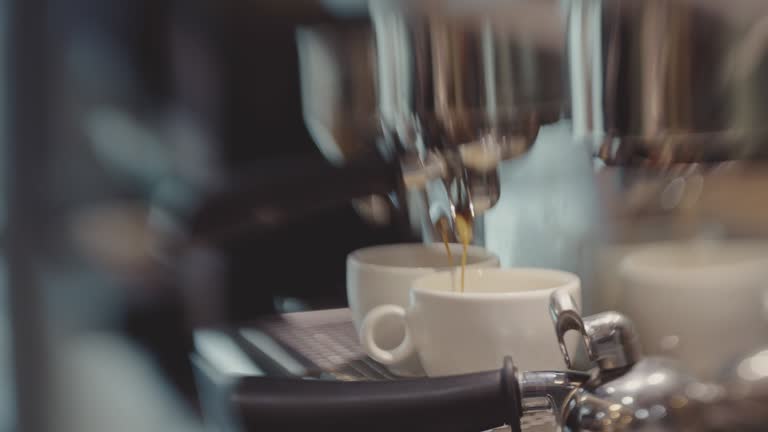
[327, 340]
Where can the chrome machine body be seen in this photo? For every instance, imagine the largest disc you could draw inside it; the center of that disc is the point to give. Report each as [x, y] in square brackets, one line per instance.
[454, 91]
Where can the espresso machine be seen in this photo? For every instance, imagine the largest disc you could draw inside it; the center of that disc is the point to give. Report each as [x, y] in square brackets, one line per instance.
[419, 109]
[440, 94]
[661, 92]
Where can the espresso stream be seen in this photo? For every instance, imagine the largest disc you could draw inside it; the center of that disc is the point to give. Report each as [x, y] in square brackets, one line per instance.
[443, 226]
[464, 232]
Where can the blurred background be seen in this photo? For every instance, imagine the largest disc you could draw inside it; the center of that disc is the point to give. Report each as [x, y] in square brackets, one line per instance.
[142, 138]
[122, 114]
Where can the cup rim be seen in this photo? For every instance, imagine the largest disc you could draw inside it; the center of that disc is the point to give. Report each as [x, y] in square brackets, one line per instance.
[357, 257]
[568, 280]
[636, 261]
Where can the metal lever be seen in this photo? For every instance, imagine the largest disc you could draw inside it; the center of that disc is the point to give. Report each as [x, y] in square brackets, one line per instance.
[610, 338]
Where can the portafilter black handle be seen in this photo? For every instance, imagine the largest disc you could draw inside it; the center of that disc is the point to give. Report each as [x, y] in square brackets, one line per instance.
[462, 403]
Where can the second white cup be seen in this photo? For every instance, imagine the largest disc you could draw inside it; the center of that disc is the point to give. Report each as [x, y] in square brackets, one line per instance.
[701, 303]
[501, 312]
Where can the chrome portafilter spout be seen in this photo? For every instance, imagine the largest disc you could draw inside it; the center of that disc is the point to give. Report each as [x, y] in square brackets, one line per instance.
[468, 189]
[447, 212]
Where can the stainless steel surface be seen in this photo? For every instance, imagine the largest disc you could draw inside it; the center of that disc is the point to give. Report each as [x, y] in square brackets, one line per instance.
[626, 392]
[653, 83]
[342, 112]
[660, 82]
[610, 338]
[451, 74]
[657, 395]
[328, 340]
[547, 391]
[629, 393]
[644, 399]
[473, 84]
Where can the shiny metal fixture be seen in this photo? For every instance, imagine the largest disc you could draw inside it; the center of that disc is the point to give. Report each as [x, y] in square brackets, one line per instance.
[469, 85]
[630, 393]
[609, 337]
[446, 90]
[662, 82]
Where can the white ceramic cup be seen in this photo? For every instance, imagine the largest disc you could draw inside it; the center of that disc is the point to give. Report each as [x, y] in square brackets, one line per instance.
[702, 303]
[381, 275]
[501, 312]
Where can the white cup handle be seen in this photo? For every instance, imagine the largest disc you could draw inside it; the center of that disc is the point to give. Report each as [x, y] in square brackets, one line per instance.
[371, 322]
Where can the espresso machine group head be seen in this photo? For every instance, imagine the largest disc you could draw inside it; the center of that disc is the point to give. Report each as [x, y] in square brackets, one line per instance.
[416, 105]
[463, 88]
[413, 107]
[457, 87]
